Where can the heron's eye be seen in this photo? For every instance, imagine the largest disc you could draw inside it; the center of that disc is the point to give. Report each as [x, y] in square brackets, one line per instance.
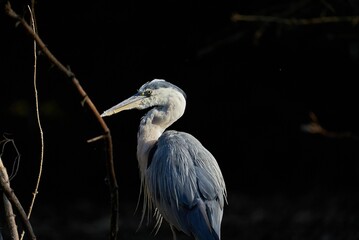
[147, 93]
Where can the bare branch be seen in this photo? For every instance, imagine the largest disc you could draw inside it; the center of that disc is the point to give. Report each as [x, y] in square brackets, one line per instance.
[38, 122]
[10, 195]
[314, 127]
[10, 216]
[294, 21]
[109, 163]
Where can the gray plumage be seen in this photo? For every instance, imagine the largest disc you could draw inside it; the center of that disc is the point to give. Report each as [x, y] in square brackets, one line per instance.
[180, 179]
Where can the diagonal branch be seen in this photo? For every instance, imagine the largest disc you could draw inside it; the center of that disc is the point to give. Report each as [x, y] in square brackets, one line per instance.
[86, 100]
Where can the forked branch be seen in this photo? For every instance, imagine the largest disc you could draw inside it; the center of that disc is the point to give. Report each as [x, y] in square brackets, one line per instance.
[11, 197]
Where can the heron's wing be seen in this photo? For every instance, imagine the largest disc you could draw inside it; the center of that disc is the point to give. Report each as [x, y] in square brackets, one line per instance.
[187, 185]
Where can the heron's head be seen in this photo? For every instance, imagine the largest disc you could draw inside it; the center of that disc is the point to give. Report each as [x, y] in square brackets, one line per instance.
[157, 92]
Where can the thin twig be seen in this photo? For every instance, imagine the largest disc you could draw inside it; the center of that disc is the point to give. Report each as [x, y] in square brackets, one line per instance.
[10, 216]
[107, 134]
[38, 122]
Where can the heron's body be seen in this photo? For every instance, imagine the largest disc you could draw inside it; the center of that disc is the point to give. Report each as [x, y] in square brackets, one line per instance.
[181, 179]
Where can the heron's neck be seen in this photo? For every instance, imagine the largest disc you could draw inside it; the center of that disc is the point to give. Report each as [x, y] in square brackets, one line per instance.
[152, 125]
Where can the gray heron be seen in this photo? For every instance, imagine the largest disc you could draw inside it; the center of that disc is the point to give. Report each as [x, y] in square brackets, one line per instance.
[181, 181]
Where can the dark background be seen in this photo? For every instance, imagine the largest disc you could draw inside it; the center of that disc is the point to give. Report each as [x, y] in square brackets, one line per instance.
[250, 88]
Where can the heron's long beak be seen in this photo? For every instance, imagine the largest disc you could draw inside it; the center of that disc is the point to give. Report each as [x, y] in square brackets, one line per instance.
[127, 104]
